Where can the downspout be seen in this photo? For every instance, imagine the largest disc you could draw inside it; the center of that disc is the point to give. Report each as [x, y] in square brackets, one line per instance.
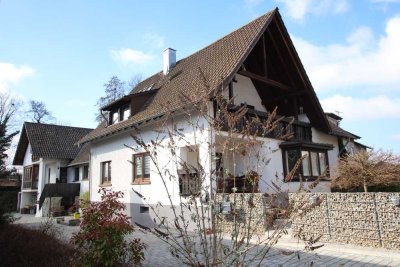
[104, 117]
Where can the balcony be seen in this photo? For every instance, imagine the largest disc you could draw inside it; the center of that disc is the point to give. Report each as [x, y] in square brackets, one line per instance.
[253, 121]
[30, 177]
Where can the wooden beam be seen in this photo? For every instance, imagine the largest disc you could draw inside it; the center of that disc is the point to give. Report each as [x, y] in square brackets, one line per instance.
[264, 57]
[280, 56]
[265, 80]
[290, 95]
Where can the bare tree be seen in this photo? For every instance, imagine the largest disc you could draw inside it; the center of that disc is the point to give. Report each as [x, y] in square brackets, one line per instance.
[368, 168]
[206, 186]
[135, 80]
[8, 109]
[39, 112]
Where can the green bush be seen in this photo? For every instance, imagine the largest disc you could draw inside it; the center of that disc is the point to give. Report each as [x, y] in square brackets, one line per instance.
[101, 239]
[8, 200]
[21, 246]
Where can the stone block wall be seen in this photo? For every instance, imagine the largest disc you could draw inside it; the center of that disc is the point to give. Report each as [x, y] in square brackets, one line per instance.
[248, 209]
[365, 219]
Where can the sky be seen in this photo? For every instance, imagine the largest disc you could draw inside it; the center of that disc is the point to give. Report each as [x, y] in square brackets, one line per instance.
[62, 52]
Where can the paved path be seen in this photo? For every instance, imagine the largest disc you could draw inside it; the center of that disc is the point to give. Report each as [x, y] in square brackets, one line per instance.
[158, 254]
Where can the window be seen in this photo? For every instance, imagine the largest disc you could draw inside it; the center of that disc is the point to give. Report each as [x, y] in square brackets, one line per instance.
[31, 177]
[189, 184]
[85, 172]
[144, 209]
[119, 114]
[115, 117]
[125, 112]
[314, 164]
[141, 168]
[106, 173]
[76, 174]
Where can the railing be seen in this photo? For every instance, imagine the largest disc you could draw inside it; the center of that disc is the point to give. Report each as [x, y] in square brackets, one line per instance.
[285, 128]
[189, 184]
[27, 185]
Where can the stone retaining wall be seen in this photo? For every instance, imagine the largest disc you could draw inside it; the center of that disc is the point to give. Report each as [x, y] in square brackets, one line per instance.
[366, 219]
[246, 208]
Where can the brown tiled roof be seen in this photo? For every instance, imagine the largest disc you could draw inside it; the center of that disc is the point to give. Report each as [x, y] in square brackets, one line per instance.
[49, 141]
[336, 130]
[217, 62]
[82, 157]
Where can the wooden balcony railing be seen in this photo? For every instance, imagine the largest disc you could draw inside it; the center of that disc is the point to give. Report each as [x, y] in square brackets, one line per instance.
[285, 129]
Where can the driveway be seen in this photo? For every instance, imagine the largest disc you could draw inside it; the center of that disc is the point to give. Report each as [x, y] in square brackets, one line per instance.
[158, 254]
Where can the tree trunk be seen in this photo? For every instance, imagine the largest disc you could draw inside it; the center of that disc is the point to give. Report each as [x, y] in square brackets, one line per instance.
[365, 188]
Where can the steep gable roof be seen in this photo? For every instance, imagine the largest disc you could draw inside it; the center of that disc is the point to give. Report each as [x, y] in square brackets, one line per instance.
[82, 157]
[216, 63]
[49, 141]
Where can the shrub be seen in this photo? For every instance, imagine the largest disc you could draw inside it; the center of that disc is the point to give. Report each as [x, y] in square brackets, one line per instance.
[366, 169]
[101, 238]
[21, 246]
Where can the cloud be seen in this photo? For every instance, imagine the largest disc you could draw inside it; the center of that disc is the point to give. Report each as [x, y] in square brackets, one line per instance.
[127, 55]
[154, 40]
[395, 137]
[362, 61]
[376, 107]
[298, 9]
[11, 74]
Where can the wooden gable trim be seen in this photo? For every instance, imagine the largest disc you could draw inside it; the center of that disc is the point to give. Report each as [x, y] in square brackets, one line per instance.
[300, 69]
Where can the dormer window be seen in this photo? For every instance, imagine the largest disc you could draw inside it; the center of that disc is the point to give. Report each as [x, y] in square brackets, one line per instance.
[114, 117]
[125, 112]
[120, 114]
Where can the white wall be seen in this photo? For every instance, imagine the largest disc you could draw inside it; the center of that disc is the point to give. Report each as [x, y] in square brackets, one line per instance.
[114, 150]
[71, 177]
[28, 156]
[245, 92]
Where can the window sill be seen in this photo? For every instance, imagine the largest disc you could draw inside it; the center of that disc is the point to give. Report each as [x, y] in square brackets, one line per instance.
[105, 185]
[141, 182]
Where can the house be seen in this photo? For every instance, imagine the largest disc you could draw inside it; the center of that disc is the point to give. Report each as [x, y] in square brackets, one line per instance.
[55, 170]
[256, 66]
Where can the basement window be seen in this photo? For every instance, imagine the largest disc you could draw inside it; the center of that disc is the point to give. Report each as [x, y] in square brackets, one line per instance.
[144, 209]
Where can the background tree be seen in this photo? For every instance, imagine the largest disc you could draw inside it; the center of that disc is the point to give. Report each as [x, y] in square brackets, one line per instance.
[115, 89]
[39, 112]
[367, 168]
[8, 109]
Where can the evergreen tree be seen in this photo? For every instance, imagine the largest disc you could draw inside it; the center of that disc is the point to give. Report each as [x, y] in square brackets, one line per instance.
[8, 108]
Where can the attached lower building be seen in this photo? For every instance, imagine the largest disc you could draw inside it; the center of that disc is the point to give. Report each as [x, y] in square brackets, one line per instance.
[55, 170]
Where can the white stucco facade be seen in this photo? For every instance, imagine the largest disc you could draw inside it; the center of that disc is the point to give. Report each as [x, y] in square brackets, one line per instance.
[48, 173]
[118, 150]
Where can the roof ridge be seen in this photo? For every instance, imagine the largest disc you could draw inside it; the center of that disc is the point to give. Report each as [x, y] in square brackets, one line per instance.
[57, 125]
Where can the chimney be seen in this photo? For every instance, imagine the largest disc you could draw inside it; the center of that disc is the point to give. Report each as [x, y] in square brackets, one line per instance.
[169, 60]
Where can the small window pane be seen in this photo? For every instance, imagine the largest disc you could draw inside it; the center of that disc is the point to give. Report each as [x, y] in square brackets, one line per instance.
[146, 166]
[292, 156]
[138, 166]
[314, 163]
[306, 164]
[76, 174]
[115, 117]
[126, 113]
[85, 172]
[322, 161]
